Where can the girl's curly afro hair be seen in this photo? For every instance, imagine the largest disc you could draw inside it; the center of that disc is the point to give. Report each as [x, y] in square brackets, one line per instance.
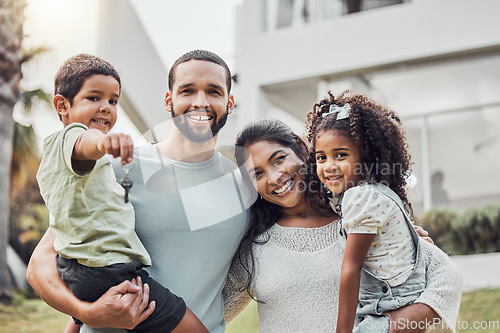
[376, 130]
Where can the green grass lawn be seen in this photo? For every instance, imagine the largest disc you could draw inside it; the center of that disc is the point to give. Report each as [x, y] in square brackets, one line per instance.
[30, 315]
[246, 322]
[480, 308]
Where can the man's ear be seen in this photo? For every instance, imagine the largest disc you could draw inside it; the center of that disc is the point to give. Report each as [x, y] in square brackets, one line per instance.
[61, 104]
[168, 101]
[230, 104]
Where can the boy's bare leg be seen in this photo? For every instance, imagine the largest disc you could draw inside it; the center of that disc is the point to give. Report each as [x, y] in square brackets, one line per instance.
[190, 324]
[72, 327]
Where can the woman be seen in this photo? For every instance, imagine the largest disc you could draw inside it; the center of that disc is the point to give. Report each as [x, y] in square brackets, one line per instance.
[291, 256]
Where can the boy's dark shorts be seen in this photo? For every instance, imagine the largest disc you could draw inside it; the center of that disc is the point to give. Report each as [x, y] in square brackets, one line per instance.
[90, 283]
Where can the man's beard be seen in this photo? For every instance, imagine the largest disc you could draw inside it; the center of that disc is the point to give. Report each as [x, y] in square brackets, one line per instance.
[182, 123]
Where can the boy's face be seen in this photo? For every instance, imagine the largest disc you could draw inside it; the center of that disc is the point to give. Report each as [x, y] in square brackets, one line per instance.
[199, 100]
[95, 105]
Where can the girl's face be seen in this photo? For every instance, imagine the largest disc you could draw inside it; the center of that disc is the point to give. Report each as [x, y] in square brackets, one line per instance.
[338, 161]
[275, 171]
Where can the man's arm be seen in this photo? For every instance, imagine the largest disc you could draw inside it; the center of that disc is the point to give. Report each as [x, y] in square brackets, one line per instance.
[122, 306]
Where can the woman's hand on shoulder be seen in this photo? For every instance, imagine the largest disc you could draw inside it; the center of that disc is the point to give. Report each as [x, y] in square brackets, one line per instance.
[423, 233]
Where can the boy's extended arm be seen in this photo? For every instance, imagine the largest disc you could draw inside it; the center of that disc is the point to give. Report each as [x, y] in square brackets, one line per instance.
[93, 144]
[122, 306]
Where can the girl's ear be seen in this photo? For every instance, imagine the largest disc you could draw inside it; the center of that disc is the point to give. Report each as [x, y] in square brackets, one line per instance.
[61, 104]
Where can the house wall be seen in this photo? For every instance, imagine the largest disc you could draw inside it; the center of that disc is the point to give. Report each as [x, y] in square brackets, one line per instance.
[410, 39]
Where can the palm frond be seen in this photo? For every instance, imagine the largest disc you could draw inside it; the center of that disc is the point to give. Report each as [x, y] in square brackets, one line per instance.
[33, 52]
[30, 97]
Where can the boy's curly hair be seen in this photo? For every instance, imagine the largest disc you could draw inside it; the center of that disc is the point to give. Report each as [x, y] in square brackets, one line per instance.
[376, 130]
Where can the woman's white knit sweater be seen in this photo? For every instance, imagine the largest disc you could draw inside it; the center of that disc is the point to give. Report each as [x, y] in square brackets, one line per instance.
[298, 275]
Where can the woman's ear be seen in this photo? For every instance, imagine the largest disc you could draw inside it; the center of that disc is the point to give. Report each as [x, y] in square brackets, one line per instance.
[61, 104]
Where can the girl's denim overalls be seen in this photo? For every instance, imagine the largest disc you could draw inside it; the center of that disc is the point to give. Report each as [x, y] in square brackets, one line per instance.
[376, 296]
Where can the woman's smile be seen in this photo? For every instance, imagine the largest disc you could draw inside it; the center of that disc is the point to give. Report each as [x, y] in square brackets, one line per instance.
[284, 188]
[275, 171]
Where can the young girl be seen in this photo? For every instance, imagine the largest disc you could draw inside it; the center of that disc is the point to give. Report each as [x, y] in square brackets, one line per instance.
[361, 158]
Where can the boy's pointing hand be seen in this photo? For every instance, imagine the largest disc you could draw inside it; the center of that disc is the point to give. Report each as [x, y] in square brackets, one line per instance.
[118, 145]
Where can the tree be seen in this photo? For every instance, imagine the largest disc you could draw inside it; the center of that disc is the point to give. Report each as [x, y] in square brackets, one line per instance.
[11, 60]
[28, 216]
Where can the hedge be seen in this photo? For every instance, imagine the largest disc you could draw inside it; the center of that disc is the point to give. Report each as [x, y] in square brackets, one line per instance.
[474, 230]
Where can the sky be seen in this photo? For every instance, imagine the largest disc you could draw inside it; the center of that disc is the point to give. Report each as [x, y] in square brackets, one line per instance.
[68, 28]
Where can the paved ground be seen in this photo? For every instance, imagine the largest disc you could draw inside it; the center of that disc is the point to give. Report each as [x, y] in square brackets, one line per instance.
[479, 270]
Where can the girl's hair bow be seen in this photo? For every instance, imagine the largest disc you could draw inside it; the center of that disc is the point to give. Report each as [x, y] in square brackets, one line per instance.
[343, 111]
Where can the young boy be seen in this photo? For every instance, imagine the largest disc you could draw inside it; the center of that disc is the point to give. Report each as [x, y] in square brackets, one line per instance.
[94, 225]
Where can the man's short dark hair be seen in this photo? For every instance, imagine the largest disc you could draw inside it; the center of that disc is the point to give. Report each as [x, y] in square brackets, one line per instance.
[74, 71]
[202, 55]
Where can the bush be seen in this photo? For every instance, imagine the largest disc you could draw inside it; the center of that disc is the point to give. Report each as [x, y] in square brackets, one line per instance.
[28, 223]
[475, 230]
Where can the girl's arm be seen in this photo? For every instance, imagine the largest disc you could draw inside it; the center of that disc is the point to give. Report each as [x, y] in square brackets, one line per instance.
[356, 249]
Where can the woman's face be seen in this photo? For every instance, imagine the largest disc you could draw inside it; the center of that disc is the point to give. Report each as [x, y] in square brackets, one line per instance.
[275, 171]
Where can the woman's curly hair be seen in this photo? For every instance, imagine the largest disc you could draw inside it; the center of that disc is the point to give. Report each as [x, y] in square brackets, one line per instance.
[376, 130]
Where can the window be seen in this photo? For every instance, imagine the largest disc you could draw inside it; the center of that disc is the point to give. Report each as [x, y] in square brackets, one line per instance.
[281, 14]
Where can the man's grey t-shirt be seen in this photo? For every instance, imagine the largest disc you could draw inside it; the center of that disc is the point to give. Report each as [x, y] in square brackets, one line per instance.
[191, 218]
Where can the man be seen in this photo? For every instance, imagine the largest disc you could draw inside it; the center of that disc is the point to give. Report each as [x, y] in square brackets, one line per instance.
[190, 212]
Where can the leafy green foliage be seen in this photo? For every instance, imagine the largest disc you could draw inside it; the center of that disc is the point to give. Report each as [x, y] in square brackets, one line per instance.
[475, 230]
[28, 223]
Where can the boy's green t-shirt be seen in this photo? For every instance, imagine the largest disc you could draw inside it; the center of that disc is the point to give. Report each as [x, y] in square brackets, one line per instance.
[88, 214]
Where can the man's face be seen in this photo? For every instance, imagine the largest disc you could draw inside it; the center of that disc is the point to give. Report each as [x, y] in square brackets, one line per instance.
[202, 102]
